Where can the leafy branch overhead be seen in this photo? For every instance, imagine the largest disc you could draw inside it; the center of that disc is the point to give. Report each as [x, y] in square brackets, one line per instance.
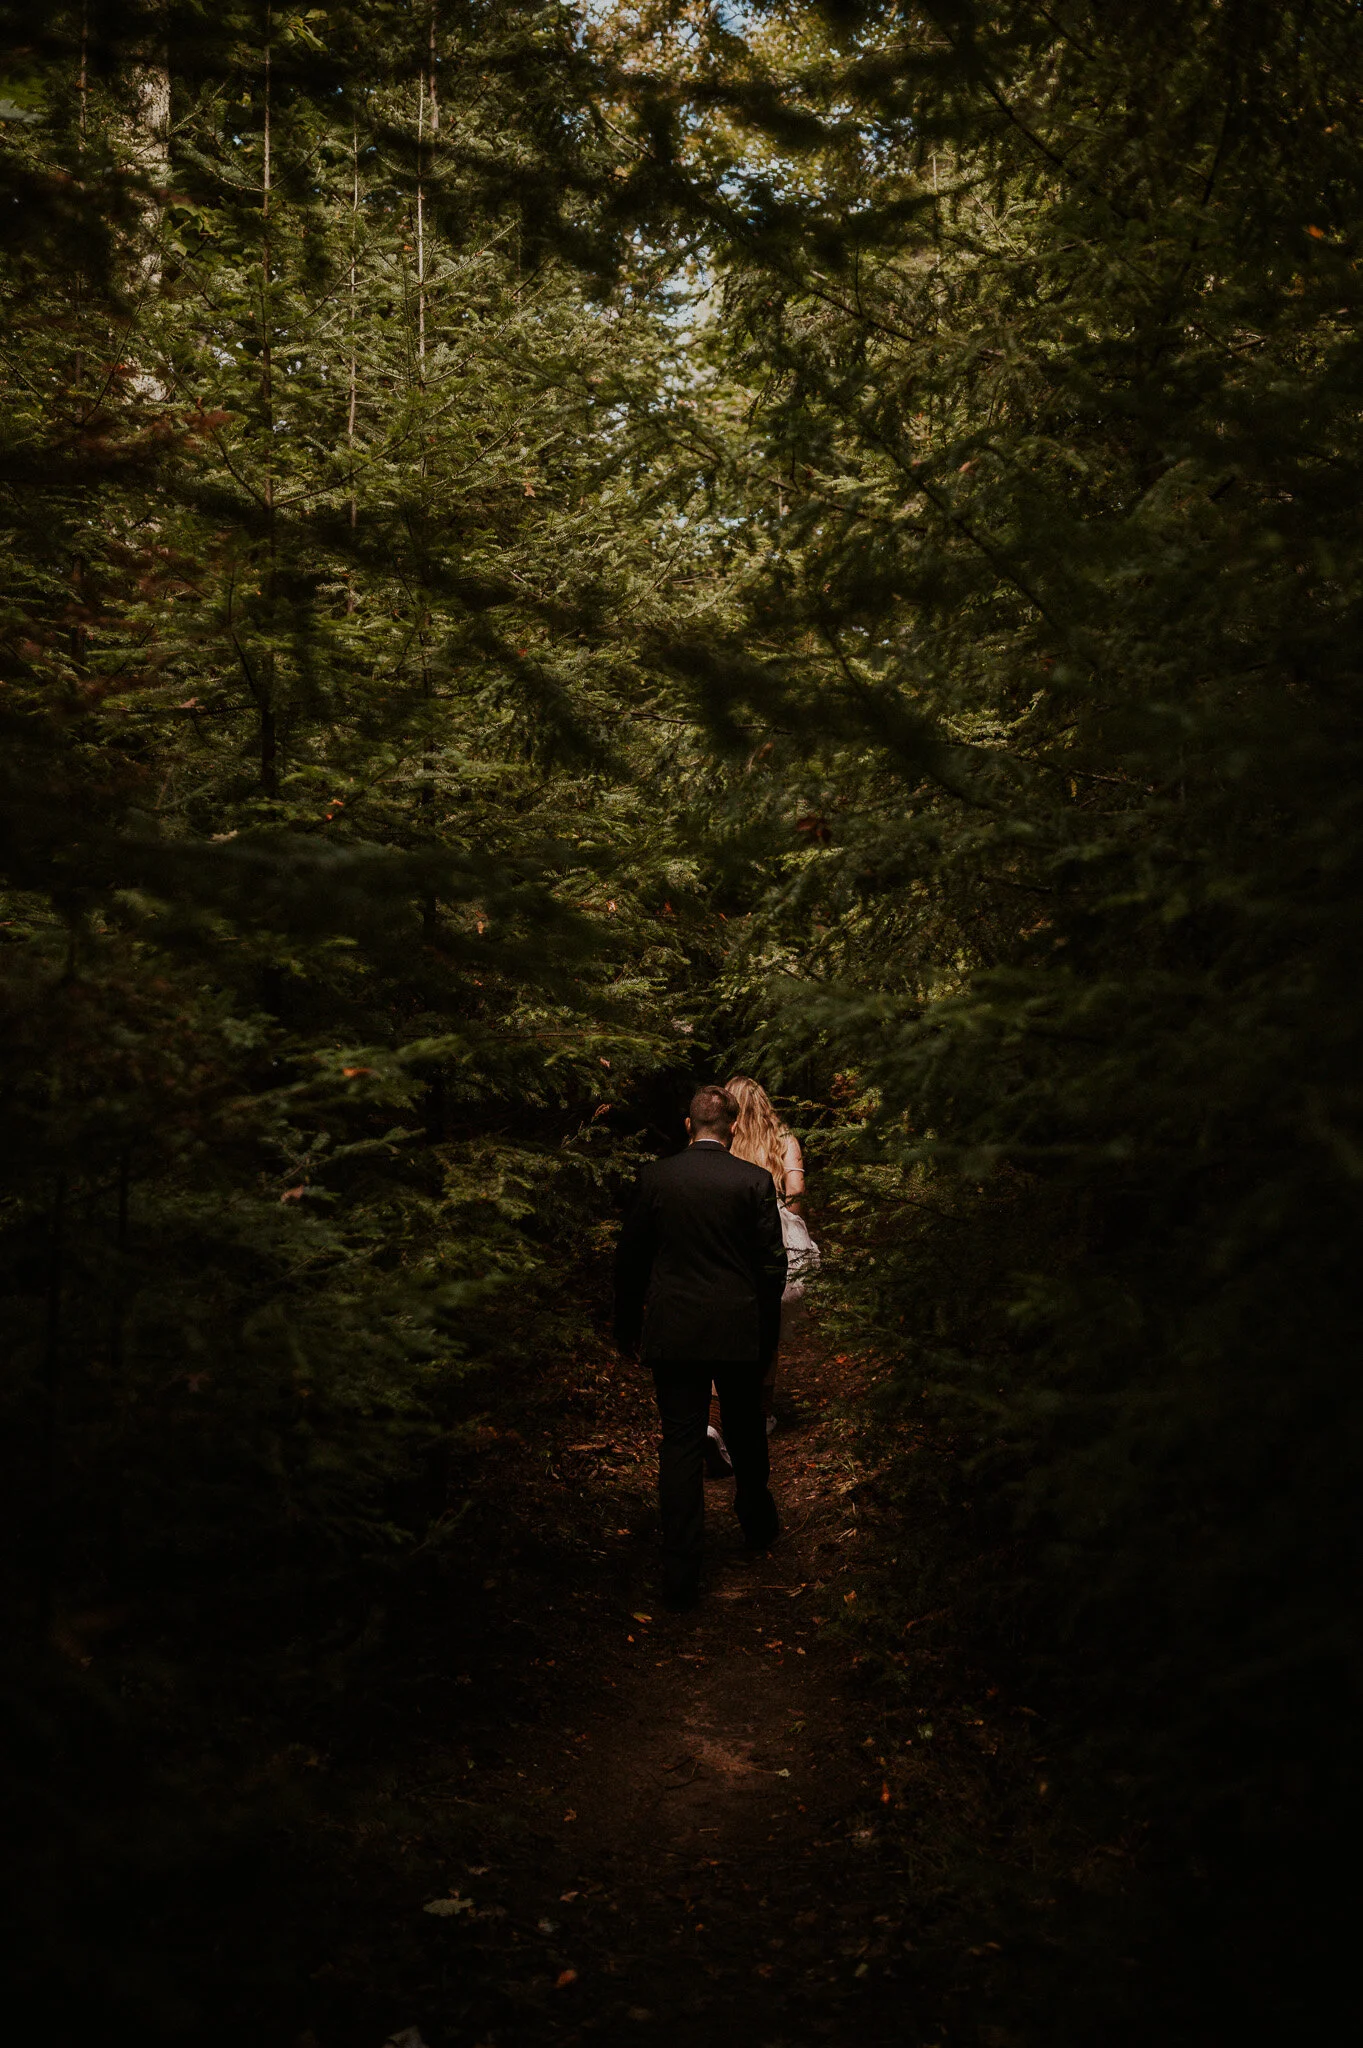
[554, 554]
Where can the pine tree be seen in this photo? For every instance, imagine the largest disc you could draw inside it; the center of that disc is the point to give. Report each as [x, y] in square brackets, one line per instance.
[1049, 320]
[334, 513]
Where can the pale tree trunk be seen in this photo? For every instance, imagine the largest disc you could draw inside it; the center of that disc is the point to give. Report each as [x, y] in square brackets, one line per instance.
[428, 118]
[428, 122]
[145, 143]
[269, 748]
[354, 366]
[258, 667]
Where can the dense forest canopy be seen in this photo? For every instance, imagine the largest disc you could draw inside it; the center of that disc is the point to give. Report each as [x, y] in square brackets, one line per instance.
[551, 552]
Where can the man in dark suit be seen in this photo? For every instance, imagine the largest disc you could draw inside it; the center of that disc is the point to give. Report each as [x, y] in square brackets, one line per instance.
[698, 1276]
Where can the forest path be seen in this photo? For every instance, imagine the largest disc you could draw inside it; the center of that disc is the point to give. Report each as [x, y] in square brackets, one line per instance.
[653, 1827]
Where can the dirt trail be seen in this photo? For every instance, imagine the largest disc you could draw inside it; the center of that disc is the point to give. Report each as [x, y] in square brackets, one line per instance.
[722, 1802]
[635, 1825]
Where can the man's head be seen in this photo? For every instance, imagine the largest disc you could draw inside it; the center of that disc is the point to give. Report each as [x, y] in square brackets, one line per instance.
[711, 1116]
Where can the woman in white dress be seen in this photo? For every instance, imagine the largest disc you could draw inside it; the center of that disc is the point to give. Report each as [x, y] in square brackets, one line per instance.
[761, 1137]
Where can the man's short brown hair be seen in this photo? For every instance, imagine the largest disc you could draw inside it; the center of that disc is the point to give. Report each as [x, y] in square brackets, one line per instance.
[712, 1109]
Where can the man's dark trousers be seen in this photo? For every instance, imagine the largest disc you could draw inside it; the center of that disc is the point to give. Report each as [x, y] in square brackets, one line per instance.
[683, 1391]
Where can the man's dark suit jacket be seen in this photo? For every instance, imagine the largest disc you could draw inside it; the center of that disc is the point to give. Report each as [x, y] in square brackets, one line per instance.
[701, 1262]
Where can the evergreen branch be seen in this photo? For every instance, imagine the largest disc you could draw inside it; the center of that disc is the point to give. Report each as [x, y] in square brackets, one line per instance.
[874, 704]
[918, 473]
[216, 437]
[1037, 142]
[1066, 35]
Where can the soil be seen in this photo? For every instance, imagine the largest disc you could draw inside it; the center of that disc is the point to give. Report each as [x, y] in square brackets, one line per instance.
[595, 1820]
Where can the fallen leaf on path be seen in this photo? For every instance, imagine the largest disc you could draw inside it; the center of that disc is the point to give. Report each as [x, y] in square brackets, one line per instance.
[884, 1794]
[444, 1909]
[410, 2037]
[641, 1617]
[570, 1814]
[566, 1898]
[564, 1979]
[849, 1598]
[783, 1774]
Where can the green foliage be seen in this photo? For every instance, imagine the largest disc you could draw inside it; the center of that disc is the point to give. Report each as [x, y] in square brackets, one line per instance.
[832, 543]
[331, 895]
[1054, 335]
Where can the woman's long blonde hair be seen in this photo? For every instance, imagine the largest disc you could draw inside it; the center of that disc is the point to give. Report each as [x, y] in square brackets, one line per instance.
[759, 1134]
